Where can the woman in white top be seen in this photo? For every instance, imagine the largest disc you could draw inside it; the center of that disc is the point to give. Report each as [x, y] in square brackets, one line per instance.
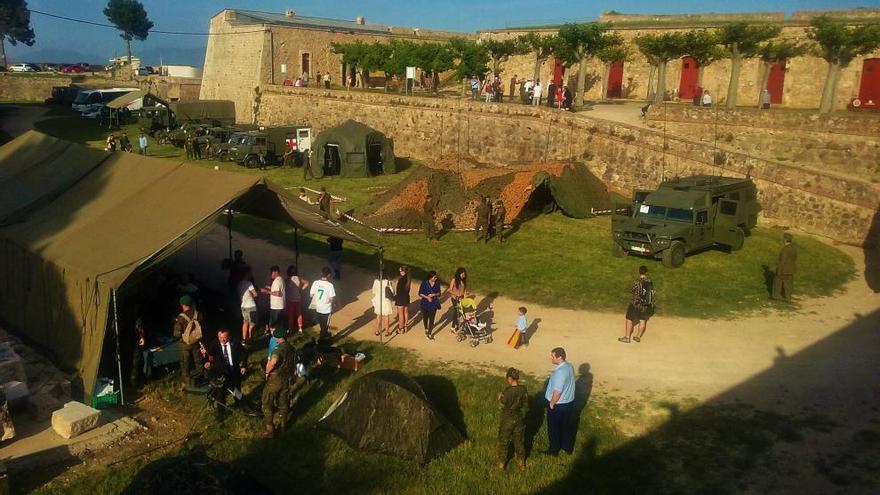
[383, 314]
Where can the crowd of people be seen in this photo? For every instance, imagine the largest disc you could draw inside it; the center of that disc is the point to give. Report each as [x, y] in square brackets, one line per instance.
[123, 143]
[532, 92]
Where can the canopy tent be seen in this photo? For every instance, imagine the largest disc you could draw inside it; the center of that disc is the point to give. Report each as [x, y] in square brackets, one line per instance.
[77, 223]
[352, 149]
[213, 111]
[368, 417]
[126, 99]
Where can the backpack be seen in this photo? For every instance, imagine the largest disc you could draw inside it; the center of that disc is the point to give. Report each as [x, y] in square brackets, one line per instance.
[193, 331]
[647, 296]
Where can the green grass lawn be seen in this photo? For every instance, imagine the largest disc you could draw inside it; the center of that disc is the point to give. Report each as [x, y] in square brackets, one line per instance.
[551, 259]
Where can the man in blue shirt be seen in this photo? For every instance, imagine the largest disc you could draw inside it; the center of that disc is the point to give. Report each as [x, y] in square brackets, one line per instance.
[560, 404]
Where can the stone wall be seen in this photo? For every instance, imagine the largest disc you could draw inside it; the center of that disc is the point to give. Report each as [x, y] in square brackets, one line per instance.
[624, 157]
[39, 88]
[857, 122]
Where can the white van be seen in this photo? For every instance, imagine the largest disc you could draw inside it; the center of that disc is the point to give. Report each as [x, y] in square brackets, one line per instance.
[91, 101]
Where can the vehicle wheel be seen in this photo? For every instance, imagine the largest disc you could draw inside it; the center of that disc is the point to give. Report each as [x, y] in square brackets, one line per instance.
[223, 156]
[459, 337]
[475, 343]
[252, 162]
[618, 250]
[739, 239]
[673, 257]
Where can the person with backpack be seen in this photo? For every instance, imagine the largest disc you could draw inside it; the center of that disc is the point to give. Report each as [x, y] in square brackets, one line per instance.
[188, 328]
[640, 308]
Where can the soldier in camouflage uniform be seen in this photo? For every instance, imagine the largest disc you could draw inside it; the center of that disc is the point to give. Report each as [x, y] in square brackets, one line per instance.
[783, 279]
[276, 394]
[514, 406]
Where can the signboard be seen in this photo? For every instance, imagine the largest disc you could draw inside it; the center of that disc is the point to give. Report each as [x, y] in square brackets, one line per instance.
[410, 72]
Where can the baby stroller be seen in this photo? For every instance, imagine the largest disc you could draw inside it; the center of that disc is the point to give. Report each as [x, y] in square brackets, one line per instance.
[469, 324]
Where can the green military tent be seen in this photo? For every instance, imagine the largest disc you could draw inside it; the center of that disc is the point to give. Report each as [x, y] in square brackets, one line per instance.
[76, 225]
[208, 111]
[352, 149]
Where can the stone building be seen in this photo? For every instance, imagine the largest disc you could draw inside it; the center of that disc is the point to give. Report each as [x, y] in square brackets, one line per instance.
[795, 83]
[250, 49]
[253, 49]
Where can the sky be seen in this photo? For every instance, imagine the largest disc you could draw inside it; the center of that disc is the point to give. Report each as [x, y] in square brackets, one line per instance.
[66, 42]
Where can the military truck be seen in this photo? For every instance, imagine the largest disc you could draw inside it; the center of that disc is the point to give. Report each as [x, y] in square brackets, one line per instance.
[214, 136]
[161, 118]
[685, 215]
[269, 145]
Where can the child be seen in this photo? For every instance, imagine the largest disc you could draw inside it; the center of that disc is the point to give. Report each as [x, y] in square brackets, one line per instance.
[522, 325]
[514, 406]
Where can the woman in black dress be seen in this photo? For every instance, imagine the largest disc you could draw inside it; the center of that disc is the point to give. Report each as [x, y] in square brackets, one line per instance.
[401, 299]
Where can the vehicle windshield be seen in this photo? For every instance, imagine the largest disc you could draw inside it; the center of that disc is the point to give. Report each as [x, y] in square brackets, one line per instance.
[81, 98]
[656, 212]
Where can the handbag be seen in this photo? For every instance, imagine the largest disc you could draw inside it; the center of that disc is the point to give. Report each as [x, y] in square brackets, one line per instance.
[389, 293]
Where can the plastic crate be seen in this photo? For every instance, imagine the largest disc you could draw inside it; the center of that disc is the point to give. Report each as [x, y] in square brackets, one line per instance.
[106, 401]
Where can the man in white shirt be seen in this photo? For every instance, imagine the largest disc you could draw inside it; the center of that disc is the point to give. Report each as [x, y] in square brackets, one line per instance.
[247, 294]
[323, 298]
[276, 296]
[536, 93]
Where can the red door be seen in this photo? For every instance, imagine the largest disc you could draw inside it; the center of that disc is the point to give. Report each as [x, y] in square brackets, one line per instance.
[690, 72]
[776, 81]
[869, 89]
[615, 79]
[558, 69]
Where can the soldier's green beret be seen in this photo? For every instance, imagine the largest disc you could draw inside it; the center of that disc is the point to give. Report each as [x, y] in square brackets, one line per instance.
[185, 299]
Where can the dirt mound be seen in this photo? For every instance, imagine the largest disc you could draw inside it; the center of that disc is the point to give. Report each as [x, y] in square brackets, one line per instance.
[457, 185]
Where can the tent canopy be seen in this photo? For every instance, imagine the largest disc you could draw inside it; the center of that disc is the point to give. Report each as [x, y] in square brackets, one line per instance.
[368, 415]
[126, 99]
[76, 223]
[222, 111]
[352, 149]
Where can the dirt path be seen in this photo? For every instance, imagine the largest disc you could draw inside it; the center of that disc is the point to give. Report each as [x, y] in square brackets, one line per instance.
[679, 357]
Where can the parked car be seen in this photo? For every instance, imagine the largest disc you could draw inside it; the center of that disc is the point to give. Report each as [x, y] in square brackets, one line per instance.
[72, 69]
[142, 71]
[22, 68]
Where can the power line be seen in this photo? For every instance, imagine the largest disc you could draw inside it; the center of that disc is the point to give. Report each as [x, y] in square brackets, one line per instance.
[152, 31]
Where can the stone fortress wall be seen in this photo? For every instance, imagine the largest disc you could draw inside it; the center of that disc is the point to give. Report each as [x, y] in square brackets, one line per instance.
[624, 157]
[14, 87]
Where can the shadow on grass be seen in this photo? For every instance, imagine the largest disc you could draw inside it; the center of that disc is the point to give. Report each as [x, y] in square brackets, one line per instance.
[443, 396]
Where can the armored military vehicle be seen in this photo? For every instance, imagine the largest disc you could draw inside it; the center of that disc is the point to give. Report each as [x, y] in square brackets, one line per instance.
[269, 145]
[685, 215]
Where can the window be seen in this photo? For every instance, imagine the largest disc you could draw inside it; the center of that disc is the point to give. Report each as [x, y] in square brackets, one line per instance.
[651, 211]
[728, 207]
[680, 214]
[702, 217]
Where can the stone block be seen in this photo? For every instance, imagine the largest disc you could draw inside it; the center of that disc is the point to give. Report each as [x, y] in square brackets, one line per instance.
[75, 418]
[16, 394]
[11, 365]
[41, 406]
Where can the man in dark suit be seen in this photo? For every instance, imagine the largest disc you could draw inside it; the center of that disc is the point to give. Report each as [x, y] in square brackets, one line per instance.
[226, 363]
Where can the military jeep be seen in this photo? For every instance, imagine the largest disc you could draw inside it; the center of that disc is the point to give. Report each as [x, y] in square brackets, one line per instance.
[685, 215]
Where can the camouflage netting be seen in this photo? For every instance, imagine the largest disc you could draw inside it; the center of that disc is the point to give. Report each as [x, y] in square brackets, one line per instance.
[457, 189]
[387, 412]
[190, 475]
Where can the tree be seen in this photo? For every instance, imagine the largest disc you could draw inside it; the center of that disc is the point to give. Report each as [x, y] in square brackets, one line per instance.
[772, 52]
[741, 41]
[542, 46]
[582, 42]
[15, 25]
[500, 51]
[609, 55]
[839, 44]
[470, 58]
[434, 58]
[659, 49]
[129, 17]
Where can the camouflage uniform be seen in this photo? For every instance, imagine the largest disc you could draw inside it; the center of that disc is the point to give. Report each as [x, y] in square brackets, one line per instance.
[514, 405]
[276, 393]
[428, 220]
[482, 225]
[784, 278]
[190, 354]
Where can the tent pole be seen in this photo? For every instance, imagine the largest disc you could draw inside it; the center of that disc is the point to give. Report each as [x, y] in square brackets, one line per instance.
[229, 229]
[118, 353]
[381, 298]
[296, 245]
